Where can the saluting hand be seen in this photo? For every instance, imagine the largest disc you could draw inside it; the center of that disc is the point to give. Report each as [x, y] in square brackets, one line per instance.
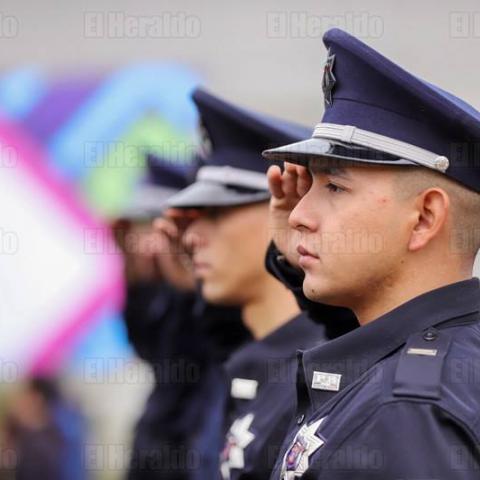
[287, 188]
[174, 259]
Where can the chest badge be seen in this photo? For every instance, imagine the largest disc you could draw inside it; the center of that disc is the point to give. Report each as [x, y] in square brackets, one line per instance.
[244, 388]
[329, 382]
[305, 443]
[237, 440]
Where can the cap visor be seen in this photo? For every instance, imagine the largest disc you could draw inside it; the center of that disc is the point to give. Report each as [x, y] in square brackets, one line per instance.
[331, 153]
[147, 203]
[209, 194]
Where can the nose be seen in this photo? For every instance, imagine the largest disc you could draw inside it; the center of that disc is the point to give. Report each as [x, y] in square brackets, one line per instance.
[302, 217]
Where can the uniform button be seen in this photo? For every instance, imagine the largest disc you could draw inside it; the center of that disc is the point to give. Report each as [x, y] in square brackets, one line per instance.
[442, 163]
[429, 336]
[300, 419]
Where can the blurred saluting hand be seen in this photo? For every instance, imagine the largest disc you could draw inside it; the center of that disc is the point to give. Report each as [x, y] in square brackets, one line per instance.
[174, 258]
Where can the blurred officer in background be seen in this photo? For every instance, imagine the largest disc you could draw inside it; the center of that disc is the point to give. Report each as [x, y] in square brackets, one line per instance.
[175, 332]
[47, 433]
[387, 219]
[228, 235]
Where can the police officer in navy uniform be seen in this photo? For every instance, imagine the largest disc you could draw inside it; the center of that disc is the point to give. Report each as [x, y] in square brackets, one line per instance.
[388, 198]
[183, 339]
[228, 239]
[148, 293]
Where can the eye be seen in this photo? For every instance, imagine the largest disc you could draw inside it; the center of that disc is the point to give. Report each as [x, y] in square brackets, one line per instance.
[334, 188]
[212, 212]
[215, 213]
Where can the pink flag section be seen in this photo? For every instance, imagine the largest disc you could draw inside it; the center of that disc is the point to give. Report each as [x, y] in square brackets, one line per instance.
[58, 265]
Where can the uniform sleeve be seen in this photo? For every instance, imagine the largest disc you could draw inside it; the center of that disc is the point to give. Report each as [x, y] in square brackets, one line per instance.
[291, 277]
[337, 320]
[406, 440]
[139, 318]
[153, 315]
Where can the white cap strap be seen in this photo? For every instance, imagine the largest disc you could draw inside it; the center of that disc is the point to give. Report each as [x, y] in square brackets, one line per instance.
[364, 138]
[238, 177]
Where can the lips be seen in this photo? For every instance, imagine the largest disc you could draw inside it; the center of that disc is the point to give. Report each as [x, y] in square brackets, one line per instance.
[303, 252]
[306, 258]
[200, 266]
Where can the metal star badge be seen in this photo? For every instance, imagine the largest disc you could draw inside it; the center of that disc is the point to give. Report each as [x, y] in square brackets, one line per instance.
[328, 80]
[238, 438]
[305, 443]
[205, 146]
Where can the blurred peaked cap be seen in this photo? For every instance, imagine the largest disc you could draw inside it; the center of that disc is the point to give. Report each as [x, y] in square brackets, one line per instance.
[164, 173]
[236, 136]
[232, 170]
[376, 112]
[163, 178]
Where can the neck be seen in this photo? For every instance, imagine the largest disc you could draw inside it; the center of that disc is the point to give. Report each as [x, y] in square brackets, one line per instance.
[390, 294]
[274, 306]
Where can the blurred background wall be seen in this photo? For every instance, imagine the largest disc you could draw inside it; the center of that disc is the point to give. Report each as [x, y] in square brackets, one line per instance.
[266, 53]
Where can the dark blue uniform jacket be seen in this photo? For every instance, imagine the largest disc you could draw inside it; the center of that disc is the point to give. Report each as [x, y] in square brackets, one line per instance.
[398, 398]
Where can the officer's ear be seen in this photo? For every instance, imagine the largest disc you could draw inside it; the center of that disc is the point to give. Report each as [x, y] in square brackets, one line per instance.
[431, 208]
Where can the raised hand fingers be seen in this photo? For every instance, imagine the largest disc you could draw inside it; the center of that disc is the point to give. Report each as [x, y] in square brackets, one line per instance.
[304, 180]
[290, 179]
[165, 226]
[174, 213]
[274, 176]
[182, 217]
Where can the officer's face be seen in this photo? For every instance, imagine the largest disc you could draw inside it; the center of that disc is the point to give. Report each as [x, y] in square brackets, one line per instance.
[353, 234]
[228, 247]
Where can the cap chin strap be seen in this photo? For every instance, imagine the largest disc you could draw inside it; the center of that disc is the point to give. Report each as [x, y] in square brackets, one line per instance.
[238, 177]
[364, 138]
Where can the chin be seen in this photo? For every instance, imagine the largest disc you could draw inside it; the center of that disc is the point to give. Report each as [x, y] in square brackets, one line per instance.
[215, 295]
[320, 292]
[312, 293]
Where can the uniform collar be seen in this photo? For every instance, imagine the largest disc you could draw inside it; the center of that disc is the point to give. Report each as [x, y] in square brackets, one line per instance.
[354, 353]
[255, 358]
[299, 332]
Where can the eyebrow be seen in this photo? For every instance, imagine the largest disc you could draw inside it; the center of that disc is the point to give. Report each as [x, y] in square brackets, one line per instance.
[328, 170]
